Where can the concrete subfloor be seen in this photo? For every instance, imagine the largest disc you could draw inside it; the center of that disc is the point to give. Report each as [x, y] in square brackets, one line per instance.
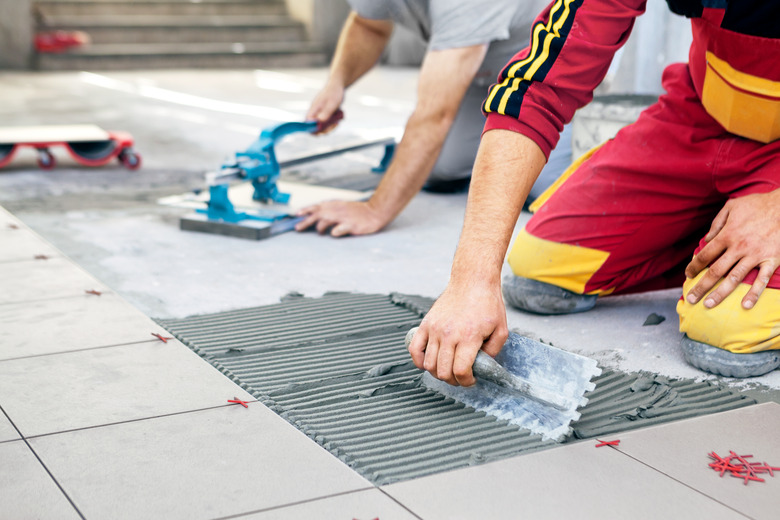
[107, 221]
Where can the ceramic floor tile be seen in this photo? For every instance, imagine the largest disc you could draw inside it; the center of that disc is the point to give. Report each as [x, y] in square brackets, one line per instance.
[361, 505]
[577, 481]
[26, 490]
[206, 464]
[65, 324]
[20, 244]
[43, 279]
[7, 431]
[680, 450]
[48, 394]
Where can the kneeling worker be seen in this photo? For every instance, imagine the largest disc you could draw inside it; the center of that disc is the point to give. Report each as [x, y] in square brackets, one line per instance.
[698, 175]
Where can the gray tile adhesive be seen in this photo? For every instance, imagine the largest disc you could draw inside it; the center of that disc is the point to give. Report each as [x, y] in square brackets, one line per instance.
[337, 369]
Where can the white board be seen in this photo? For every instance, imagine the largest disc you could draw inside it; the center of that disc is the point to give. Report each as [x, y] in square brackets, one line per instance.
[54, 133]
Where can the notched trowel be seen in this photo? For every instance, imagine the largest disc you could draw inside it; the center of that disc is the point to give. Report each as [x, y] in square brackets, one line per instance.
[529, 384]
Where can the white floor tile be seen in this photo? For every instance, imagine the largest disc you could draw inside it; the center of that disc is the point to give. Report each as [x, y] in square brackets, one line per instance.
[362, 505]
[7, 431]
[21, 244]
[42, 279]
[577, 481]
[205, 464]
[681, 450]
[49, 394]
[65, 324]
[26, 490]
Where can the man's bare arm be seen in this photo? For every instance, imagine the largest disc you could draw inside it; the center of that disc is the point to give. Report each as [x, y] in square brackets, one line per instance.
[470, 314]
[360, 45]
[444, 78]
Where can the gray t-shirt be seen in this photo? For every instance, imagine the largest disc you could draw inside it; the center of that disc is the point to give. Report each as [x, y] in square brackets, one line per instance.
[446, 24]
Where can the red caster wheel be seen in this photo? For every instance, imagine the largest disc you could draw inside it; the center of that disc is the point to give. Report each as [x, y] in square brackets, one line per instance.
[45, 159]
[130, 159]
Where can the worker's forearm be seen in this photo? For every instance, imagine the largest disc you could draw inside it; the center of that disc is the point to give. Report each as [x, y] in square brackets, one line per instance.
[359, 47]
[414, 159]
[507, 165]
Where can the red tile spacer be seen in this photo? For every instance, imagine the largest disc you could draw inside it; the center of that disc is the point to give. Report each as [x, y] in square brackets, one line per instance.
[607, 443]
[13, 226]
[41, 257]
[164, 339]
[93, 291]
[236, 400]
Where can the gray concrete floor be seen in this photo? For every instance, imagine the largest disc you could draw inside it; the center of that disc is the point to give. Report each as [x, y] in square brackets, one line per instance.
[187, 122]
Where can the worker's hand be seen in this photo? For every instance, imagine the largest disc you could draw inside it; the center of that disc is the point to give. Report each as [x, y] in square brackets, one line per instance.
[325, 104]
[342, 218]
[744, 235]
[466, 318]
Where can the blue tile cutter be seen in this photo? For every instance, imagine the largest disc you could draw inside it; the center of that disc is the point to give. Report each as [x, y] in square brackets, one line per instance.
[259, 165]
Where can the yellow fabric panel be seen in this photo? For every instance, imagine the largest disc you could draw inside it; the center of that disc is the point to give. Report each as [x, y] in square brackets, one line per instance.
[730, 97]
[546, 194]
[729, 326]
[562, 265]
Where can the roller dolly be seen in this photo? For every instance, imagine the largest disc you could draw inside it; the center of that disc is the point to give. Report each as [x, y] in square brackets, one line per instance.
[258, 165]
[89, 145]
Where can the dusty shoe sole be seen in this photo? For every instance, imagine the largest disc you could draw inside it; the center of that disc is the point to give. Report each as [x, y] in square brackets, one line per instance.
[724, 363]
[543, 298]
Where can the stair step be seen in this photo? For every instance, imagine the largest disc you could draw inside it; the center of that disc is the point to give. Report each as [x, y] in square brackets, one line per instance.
[200, 55]
[172, 29]
[159, 7]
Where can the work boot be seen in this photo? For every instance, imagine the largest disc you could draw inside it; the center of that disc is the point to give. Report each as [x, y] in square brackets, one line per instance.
[730, 364]
[543, 298]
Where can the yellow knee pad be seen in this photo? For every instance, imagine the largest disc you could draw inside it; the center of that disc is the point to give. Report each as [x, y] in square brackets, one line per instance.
[729, 326]
[562, 265]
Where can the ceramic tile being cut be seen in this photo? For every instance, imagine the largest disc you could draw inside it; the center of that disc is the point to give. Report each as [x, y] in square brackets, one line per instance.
[48, 394]
[680, 450]
[336, 367]
[361, 505]
[207, 464]
[66, 324]
[26, 490]
[44, 279]
[576, 481]
[20, 244]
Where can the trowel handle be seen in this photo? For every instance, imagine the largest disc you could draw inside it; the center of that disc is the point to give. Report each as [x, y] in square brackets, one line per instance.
[337, 116]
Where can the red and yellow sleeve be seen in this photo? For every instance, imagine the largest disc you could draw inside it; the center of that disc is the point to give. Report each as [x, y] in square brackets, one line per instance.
[571, 46]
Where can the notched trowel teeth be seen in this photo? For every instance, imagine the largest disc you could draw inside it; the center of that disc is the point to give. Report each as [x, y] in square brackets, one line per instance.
[553, 386]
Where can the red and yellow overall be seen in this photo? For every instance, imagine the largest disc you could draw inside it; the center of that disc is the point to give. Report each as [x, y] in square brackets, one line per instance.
[628, 216]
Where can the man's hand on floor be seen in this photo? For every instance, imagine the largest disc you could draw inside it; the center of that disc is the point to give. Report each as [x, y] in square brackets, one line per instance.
[465, 319]
[744, 235]
[342, 218]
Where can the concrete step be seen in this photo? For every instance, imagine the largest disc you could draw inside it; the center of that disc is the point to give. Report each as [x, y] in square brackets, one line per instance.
[196, 55]
[47, 8]
[181, 29]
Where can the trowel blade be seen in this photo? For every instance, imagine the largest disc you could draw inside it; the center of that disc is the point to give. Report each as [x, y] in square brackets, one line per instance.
[552, 369]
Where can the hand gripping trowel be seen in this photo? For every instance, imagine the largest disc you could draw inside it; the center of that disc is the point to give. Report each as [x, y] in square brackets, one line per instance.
[529, 384]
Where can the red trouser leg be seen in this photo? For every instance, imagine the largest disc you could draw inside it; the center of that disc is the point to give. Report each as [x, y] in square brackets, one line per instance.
[630, 217]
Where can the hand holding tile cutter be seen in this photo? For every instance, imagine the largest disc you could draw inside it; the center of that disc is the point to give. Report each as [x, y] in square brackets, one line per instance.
[258, 164]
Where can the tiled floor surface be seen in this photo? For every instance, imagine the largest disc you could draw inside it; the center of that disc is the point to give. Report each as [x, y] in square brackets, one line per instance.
[102, 420]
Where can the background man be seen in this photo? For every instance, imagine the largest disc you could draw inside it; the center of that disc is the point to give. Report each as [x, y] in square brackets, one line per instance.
[468, 43]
